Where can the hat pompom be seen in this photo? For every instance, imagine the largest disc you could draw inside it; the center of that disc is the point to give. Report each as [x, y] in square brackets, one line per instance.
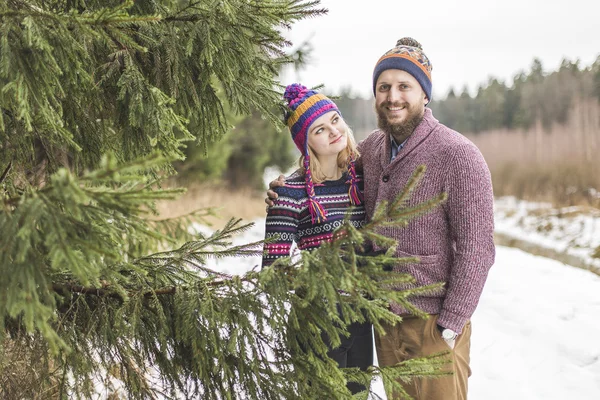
[294, 92]
[408, 41]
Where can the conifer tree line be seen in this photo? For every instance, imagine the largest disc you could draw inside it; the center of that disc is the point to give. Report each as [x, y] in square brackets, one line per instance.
[239, 159]
[532, 96]
[99, 296]
[535, 95]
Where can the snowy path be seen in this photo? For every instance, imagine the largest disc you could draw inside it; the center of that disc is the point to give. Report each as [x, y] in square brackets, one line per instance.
[536, 332]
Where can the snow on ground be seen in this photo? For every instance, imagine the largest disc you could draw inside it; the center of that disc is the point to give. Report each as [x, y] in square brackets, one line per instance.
[536, 332]
[572, 230]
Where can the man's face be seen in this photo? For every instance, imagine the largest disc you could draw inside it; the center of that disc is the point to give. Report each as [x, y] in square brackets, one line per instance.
[399, 101]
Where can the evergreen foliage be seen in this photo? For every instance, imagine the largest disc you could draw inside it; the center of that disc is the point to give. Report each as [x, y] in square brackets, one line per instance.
[256, 144]
[253, 144]
[241, 156]
[133, 78]
[101, 298]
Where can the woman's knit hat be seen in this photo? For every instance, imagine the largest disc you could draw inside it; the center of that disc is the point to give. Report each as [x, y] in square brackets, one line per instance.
[407, 56]
[305, 106]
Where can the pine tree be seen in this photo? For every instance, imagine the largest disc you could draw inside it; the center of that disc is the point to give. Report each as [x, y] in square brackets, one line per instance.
[97, 99]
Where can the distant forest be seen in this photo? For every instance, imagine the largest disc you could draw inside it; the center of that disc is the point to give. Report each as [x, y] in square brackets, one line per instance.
[532, 96]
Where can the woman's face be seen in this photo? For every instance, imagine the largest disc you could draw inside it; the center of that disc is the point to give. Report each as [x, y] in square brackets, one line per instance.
[327, 135]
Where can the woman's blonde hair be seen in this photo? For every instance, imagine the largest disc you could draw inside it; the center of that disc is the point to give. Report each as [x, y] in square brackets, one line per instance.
[350, 152]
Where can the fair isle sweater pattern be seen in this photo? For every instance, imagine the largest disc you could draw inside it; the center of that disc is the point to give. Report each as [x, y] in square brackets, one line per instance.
[289, 218]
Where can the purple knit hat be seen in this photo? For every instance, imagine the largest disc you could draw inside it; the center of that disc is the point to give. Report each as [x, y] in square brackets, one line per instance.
[305, 106]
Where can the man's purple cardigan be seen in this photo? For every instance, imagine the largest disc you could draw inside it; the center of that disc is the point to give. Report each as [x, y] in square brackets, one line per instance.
[454, 242]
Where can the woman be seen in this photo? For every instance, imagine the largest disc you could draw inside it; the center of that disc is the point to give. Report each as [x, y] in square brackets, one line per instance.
[313, 203]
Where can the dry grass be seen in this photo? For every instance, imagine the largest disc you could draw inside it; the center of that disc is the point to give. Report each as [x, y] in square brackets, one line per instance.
[562, 184]
[245, 203]
[560, 165]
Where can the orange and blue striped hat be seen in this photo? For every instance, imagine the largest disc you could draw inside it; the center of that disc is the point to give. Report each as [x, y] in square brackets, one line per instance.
[305, 106]
[407, 56]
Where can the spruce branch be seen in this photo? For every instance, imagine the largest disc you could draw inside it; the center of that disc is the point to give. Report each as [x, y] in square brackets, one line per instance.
[397, 213]
[147, 293]
[6, 171]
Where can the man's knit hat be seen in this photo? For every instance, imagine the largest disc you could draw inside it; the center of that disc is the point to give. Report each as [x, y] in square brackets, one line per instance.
[407, 56]
[305, 106]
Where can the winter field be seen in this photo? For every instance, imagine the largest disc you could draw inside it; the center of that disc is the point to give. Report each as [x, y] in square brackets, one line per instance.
[569, 233]
[536, 332]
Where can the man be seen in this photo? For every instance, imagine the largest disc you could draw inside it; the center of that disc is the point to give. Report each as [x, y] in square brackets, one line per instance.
[454, 242]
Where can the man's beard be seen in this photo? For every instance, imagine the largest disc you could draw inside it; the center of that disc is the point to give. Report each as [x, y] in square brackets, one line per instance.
[401, 130]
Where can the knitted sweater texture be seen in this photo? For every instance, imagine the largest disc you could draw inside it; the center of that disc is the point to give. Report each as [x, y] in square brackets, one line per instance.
[454, 242]
[290, 219]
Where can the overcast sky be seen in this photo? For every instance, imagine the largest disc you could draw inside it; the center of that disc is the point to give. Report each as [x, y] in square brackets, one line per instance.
[467, 41]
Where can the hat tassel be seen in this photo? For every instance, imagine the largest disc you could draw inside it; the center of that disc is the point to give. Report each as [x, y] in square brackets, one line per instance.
[317, 212]
[354, 194]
